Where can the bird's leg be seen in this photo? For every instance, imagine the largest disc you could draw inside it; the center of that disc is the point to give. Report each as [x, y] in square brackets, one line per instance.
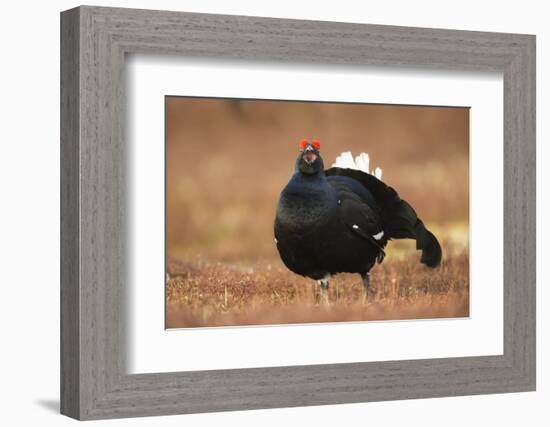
[323, 285]
[366, 284]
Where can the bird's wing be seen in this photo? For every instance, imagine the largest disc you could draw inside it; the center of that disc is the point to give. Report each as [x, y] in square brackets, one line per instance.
[355, 212]
[397, 217]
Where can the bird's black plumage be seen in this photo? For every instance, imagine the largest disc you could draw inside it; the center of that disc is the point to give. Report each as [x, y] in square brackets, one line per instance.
[339, 220]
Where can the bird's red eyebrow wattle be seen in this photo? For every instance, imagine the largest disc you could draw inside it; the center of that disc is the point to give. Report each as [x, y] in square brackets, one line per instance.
[315, 143]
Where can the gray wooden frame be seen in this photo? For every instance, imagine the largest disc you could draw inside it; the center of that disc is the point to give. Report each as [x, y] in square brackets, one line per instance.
[94, 41]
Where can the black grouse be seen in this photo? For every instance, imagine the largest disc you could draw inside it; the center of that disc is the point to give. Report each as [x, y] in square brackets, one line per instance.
[340, 219]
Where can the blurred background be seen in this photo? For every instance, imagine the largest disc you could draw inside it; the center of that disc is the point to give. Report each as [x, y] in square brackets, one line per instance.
[228, 160]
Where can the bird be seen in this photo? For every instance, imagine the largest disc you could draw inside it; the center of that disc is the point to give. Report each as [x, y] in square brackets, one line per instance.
[340, 219]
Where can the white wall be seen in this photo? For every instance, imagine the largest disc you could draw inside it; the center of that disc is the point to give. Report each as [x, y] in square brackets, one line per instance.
[29, 225]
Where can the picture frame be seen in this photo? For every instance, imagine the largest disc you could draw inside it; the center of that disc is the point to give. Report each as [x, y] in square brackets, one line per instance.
[94, 267]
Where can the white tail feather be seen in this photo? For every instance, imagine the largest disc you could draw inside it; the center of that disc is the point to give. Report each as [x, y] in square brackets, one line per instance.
[361, 163]
[345, 160]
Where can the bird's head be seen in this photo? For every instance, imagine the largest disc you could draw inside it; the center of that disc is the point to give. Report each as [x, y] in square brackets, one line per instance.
[309, 160]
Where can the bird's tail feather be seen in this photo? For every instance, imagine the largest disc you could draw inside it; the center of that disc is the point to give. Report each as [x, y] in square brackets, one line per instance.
[427, 242]
[401, 222]
[399, 219]
[361, 163]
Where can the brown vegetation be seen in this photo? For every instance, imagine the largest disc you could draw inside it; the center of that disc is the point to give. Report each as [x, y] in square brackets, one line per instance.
[217, 294]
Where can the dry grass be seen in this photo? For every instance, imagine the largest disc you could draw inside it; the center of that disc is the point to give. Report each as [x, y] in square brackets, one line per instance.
[216, 294]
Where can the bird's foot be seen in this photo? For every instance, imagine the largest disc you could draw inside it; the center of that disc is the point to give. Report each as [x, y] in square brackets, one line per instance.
[324, 297]
[369, 291]
[323, 285]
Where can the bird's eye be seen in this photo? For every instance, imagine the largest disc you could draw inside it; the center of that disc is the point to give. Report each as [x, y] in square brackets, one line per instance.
[303, 144]
[316, 144]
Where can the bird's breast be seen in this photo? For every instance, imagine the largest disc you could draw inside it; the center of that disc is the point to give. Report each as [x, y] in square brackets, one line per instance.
[301, 210]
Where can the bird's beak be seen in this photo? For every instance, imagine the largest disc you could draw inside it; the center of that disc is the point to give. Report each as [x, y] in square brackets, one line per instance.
[309, 155]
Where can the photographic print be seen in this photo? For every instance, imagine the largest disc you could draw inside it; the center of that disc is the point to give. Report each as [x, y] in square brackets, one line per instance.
[293, 212]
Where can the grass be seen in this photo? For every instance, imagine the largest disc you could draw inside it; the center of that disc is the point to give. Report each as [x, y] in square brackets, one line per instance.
[202, 293]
